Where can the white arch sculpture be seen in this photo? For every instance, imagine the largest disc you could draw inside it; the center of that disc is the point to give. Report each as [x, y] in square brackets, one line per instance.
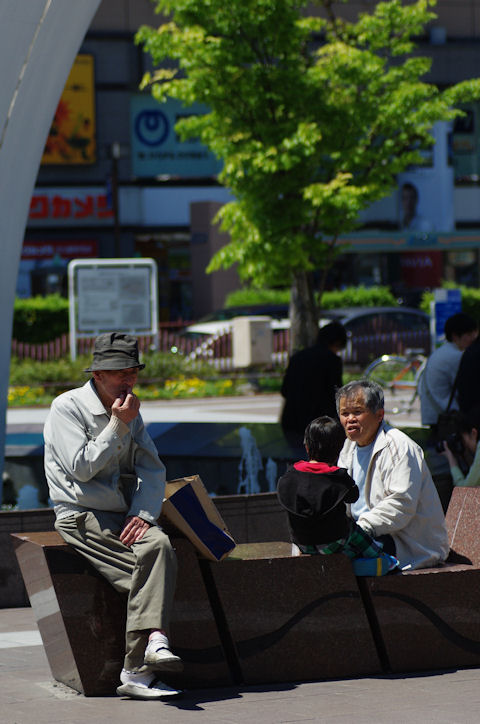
[38, 43]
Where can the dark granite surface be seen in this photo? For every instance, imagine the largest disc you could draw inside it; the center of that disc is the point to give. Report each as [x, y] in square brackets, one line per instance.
[193, 631]
[81, 618]
[463, 523]
[294, 618]
[262, 616]
[429, 619]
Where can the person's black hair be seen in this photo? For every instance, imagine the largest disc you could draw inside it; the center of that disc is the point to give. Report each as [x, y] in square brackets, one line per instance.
[332, 333]
[324, 438]
[459, 324]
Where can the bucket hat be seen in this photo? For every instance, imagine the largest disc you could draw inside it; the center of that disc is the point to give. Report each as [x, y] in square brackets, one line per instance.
[115, 351]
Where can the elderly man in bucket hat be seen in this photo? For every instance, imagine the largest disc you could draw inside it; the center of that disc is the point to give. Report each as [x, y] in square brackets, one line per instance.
[107, 484]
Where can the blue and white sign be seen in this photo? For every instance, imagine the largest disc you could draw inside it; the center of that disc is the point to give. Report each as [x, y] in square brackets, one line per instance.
[156, 148]
[446, 303]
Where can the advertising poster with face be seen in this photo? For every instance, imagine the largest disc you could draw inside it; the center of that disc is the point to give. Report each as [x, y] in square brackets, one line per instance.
[425, 193]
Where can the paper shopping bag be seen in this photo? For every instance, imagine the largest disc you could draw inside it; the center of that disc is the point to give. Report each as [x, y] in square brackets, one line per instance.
[189, 507]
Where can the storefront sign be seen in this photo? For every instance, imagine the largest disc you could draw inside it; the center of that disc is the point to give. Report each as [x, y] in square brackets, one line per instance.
[70, 206]
[397, 241]
[64, 249]
[421, 268]
[41, 255]
[156, 148]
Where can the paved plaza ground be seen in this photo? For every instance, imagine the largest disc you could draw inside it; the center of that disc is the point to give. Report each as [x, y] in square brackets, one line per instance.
[28, 695]
[246, 408]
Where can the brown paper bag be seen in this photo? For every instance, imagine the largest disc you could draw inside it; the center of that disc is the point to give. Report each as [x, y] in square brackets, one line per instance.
[189, 507]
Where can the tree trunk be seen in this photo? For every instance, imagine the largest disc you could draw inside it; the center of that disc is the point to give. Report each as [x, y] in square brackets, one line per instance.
[303, 312]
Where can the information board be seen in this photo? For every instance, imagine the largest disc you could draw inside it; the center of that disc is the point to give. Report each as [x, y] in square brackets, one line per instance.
[108, 295]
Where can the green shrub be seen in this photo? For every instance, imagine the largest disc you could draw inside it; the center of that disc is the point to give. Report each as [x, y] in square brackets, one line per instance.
[63, 373]
[350, 297]
[165, 365]
[247, 296]
[40, 319]
[359, 297]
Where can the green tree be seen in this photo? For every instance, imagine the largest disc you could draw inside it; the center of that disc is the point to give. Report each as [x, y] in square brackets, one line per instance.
[313, 117]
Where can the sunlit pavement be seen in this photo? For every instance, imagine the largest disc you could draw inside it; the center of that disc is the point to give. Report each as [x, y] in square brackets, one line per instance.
[246, 408]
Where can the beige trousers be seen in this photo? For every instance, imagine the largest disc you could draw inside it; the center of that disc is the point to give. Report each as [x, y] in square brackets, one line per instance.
[146, 572]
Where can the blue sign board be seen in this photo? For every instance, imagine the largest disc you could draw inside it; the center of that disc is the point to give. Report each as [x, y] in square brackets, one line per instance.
[447, 302]
[156, 148]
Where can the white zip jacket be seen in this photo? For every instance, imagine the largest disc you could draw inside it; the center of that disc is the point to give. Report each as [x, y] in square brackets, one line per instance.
[402, 499]
[97, 462]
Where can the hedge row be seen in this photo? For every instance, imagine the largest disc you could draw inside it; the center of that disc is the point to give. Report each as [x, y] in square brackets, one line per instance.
[350, 297]
[40, 319]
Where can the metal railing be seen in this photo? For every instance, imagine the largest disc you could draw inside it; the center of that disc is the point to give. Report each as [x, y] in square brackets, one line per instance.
[217, 349]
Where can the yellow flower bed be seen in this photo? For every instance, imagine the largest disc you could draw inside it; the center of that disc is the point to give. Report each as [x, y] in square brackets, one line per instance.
[181, 387]
[185, 386]
[24, 395]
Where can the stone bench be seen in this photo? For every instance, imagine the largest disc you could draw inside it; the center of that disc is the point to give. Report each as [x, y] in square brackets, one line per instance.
[12, 588]
[248, 619]
[430, 618]
[81, 618]
[262, 615]
[417, 620]
[294, 618]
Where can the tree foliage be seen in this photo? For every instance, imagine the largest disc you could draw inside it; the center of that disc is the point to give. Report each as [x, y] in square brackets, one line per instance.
[313, 117]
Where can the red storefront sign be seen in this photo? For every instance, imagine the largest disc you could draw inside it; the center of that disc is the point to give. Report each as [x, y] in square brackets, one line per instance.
[421, 268]
[70, 206]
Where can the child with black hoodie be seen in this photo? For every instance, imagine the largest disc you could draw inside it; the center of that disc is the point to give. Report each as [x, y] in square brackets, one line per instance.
[315, 494]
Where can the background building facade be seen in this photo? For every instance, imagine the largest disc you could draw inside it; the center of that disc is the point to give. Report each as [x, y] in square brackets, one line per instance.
[116, 181]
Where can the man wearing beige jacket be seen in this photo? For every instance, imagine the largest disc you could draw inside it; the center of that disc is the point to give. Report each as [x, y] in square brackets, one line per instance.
[398, 504]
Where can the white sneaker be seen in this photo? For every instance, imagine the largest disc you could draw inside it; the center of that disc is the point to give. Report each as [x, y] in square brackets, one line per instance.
[144, 685]
[159, 657]
[156, 690]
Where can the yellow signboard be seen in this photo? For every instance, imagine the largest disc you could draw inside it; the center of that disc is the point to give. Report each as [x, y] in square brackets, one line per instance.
[71, 139]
